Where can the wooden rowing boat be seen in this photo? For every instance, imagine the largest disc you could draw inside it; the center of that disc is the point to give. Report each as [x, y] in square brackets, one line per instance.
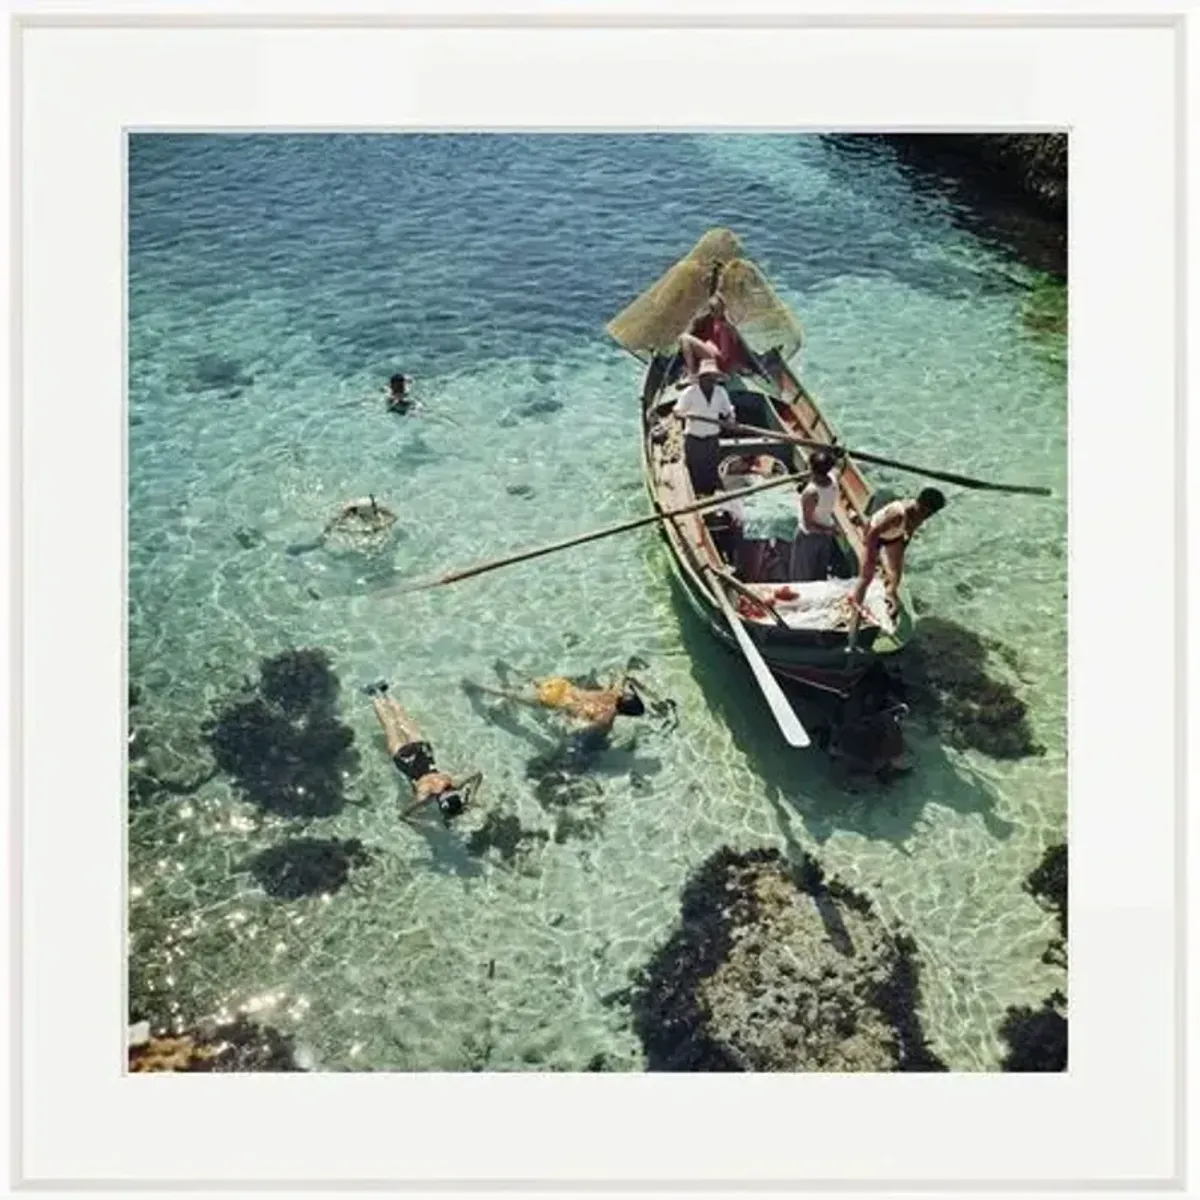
[802, 630]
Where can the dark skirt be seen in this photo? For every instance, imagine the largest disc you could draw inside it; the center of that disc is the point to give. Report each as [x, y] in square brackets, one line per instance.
[817, 556]
[702, 455]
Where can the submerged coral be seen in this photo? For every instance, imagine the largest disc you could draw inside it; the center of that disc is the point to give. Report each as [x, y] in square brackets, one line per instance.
[239, 1046]
[943, 674]
[285, 747]
[774, 968]
[1037, 1038]
[307, 866]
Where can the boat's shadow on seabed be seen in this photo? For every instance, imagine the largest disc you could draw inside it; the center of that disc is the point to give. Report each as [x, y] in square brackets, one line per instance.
[806, 783]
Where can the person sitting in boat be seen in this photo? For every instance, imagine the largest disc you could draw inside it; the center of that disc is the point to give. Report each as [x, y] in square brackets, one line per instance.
[413, 757]
[590, 712]
[712, 335]
[816, 552]
[707, 399]
[887, 536]
[398, 399]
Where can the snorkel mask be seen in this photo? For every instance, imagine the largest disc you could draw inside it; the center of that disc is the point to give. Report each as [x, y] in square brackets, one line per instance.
[450, 804]
[630, 704]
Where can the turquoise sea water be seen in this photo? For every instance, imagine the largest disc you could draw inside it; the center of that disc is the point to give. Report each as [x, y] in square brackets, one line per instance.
[275, 282]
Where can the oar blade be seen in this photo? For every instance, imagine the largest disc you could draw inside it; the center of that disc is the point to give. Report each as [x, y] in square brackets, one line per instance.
[789, 724]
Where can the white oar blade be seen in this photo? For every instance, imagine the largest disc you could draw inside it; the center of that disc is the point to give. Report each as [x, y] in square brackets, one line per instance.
[785, 717]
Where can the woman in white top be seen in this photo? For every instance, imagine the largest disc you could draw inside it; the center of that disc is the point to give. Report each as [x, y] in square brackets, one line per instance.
[701, 451]
[816, 552]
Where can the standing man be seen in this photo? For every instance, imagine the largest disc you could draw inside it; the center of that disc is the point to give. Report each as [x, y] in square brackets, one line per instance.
[708, 400]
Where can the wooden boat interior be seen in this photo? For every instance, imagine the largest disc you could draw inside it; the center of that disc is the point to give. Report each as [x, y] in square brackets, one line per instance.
[716, 539]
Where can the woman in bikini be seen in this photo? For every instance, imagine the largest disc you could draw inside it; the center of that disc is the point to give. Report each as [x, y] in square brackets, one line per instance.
[887, 536]
[413, 757]
[590, 712]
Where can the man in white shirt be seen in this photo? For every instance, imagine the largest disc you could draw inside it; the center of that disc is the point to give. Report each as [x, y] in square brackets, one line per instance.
[708, 399]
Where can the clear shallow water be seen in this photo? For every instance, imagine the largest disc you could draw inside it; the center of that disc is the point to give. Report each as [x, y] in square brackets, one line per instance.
[274, 283]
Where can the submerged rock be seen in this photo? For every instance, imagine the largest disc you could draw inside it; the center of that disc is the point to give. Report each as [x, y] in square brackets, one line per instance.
[284, 745]
[307, 866]
[239, 1046]
[1048, 881]
[1037, 1038]
[211, 372]
[248, 537]
[774, 969]
[943, 673]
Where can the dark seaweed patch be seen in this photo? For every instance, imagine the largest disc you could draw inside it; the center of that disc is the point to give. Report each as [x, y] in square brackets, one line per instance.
[1037, 1038]
[285, 747]
[943, 673]
[1048, 881]
[211, 372]
[307, 866]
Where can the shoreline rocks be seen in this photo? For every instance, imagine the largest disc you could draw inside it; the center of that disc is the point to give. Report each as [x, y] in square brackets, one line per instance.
[1032, 165]
[238, 1046]
[775, 969]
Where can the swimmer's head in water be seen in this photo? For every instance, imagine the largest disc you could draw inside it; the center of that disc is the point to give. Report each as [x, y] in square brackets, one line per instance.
[450, 804]
[398, 383]
[630, 703]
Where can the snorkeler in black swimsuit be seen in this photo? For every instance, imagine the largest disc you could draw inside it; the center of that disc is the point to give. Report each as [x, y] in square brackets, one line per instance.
[413, 757]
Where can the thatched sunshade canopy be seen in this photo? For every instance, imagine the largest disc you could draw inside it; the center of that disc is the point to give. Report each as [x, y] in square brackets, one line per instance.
[654, 321]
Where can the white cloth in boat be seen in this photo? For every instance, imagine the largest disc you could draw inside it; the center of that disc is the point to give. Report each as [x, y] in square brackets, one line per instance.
[821, 603]
[694, 403]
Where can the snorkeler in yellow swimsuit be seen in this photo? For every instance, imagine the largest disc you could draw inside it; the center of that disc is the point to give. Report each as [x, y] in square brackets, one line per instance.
[590, 711]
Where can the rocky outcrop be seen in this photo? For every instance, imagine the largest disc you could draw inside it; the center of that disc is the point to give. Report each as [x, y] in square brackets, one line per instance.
[775, 969]
[235, 1047]
[1032, 164]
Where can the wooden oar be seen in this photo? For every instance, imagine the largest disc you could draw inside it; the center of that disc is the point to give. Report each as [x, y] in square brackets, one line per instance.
[944, 476]
[754, 598]
[785, 717]
[595, 535]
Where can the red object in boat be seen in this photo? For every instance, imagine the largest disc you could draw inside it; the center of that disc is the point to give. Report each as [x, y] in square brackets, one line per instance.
[749, 608]
[786, 593]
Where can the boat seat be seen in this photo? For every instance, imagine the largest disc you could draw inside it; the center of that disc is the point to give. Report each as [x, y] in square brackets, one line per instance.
[753, 445]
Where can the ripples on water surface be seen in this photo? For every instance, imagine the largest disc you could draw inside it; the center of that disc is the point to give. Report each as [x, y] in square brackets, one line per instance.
[274, 283]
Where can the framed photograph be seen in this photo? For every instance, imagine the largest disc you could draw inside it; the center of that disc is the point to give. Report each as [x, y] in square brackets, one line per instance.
[571, 598]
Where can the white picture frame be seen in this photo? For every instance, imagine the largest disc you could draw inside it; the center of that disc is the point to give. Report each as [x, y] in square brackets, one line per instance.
[82, 78]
